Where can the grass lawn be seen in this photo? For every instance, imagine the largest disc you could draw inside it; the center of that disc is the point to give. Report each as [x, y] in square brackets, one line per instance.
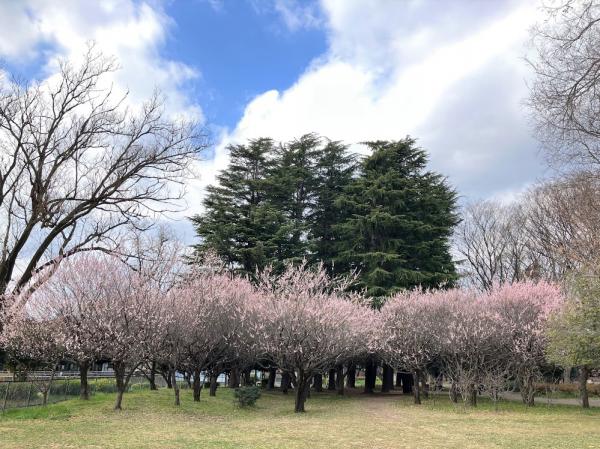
[149, 420]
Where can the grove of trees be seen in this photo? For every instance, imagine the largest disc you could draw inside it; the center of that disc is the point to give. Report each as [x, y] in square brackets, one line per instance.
[206, 320]
[385, 217]
[311, 260]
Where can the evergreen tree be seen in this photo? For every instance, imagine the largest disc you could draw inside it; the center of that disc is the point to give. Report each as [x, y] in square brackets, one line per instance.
[335, 169]
[400, 219]
[292, 186]
[239, 222]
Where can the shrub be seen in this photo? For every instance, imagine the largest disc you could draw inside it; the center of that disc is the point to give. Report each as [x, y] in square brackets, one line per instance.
[247, 396]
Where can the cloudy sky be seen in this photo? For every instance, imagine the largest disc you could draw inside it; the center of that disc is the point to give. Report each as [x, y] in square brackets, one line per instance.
[449, 72]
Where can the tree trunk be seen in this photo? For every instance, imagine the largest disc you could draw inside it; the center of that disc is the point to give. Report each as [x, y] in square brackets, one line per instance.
[302, 389]
[370, 376]
[152, 377]
[453, 392]
[339, 380]
[188, 378]
[318, 382]
[175, 386]
[473, 396]
[197, 385]
[387, 383]
[166, 375]
[119, 369]
[213, 384]
[424, 386]
[351, 376]
[584, 374]
[246, 378]
[234, 379]
[331, 380]
[84, 390]
[45, 396]
[527, 390]
[407, 383]
[285, 382]
[272, 376]
[398, 379]
[416, 388]
[567, 375]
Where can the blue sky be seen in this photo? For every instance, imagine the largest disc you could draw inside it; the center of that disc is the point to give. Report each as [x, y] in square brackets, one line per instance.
[241, 51]
[450, 73]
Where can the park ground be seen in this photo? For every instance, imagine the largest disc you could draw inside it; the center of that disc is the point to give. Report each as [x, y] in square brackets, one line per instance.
[149, 420]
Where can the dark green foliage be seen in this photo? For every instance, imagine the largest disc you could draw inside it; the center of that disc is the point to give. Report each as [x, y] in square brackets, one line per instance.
[247, 396]
[400, 219]
[240, 223]
[335, 168]
[387, 217]
[259, 214]
[292, 185]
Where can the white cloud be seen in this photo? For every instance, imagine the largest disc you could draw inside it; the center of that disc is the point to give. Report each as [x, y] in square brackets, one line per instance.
[448, 73]
[44, 31]
[452, 77]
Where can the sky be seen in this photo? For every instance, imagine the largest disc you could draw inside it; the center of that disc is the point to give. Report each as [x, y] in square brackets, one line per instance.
[450, 73]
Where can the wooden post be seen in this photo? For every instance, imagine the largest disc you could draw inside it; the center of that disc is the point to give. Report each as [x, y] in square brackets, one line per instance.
[67, 389]
[5, 396]
[29, 394]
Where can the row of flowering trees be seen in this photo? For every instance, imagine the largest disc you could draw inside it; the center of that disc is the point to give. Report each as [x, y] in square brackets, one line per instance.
[302, 322]
[477, 340]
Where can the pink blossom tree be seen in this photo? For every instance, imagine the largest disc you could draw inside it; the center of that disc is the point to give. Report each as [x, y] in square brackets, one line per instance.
[105, 309]
[70, 298]
[410, 337]
[211, 325]
[308, 325]
[32, 343]
[474, 346]
[522, 310]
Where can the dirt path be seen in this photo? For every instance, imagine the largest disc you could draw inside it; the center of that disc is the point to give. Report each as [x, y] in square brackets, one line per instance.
[558, 401]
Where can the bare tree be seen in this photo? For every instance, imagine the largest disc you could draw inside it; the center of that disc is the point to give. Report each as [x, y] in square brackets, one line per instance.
[564, 96]
[77, 165]
[491, 241]
[563, 224]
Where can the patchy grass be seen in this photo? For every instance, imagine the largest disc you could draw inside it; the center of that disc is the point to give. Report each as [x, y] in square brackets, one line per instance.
[149, 420]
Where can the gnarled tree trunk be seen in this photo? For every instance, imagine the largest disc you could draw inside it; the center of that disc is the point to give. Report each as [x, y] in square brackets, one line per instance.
[213, 384]
[527, 390]
[416, 387]
[119, 369]
[234, 378]
[84, 389]
[387, 383]
[175, 385]
[351, 376]
[197, 385]
[302, 389]
[152, 377]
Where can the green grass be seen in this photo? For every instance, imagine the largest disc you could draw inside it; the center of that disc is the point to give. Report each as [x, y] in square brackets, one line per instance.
[149, 420]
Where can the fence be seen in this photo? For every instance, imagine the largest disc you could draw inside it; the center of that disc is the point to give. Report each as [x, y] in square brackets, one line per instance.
[65, 385]
[62, 385]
